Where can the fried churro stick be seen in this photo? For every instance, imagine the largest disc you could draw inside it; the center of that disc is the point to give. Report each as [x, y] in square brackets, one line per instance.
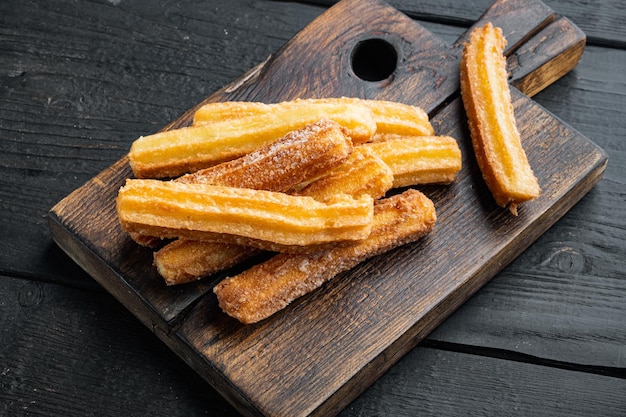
[418, 160]
[399, 118]
[263, 219]
[279, 166]
[186, 260]
[389, 116]
[491, 120]
[175, 152]
[268, 287]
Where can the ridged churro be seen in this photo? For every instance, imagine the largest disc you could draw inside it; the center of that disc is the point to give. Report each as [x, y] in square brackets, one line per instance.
[268, 287]
[400, 119]
[416, 160]
[263, 219]
[389, 116]
[175, 152]
[491, 119]
[279, 166]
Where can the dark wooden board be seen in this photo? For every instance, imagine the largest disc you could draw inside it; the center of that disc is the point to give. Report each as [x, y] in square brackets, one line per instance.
[317, 355]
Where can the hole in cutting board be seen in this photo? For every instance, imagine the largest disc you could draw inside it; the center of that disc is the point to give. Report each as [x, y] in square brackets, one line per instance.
[374, 59]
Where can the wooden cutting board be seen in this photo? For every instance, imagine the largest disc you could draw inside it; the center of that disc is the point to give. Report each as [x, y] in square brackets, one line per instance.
[318, 354]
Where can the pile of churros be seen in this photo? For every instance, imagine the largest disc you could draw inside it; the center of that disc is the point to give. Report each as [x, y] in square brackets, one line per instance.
[305, 181]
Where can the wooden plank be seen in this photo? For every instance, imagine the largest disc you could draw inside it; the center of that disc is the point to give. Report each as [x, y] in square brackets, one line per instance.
[486, 386]
[96, 359]
[72, 352]
[394, 313]
[603, 24]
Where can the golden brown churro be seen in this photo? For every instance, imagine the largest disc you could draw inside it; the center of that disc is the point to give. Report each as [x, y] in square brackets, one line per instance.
[266, 288]
[416, 160]
[279, 166]
[263, 219]
[491, 120]
[180, 151]
[389, 116]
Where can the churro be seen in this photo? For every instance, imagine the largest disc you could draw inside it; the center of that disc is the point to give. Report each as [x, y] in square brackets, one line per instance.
[175, 152]
[399, 118]
[268, 287]
[416, 160]
[389, 116]
[279, 166]
[491, 120]
[264, 219]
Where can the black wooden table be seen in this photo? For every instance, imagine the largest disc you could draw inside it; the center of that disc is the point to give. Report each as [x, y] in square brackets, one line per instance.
[81, 80]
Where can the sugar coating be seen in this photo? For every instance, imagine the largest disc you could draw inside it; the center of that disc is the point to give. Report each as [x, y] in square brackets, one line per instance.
[283, 164]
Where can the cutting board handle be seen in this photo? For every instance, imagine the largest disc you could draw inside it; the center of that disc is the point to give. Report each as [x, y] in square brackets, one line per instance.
[546, 57]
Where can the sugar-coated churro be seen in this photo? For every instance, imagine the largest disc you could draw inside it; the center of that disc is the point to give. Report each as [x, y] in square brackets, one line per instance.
[389, 116]
[416, 160]
[491, 119]
[268, 287]
[279, 166]
[175, 152]
[392, 117]
[263, 219]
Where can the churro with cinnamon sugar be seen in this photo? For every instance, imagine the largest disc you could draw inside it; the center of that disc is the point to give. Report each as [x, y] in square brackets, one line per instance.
[390, 117]
[491, 119]
[176, 152]
[266, 220]
[268, 287]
